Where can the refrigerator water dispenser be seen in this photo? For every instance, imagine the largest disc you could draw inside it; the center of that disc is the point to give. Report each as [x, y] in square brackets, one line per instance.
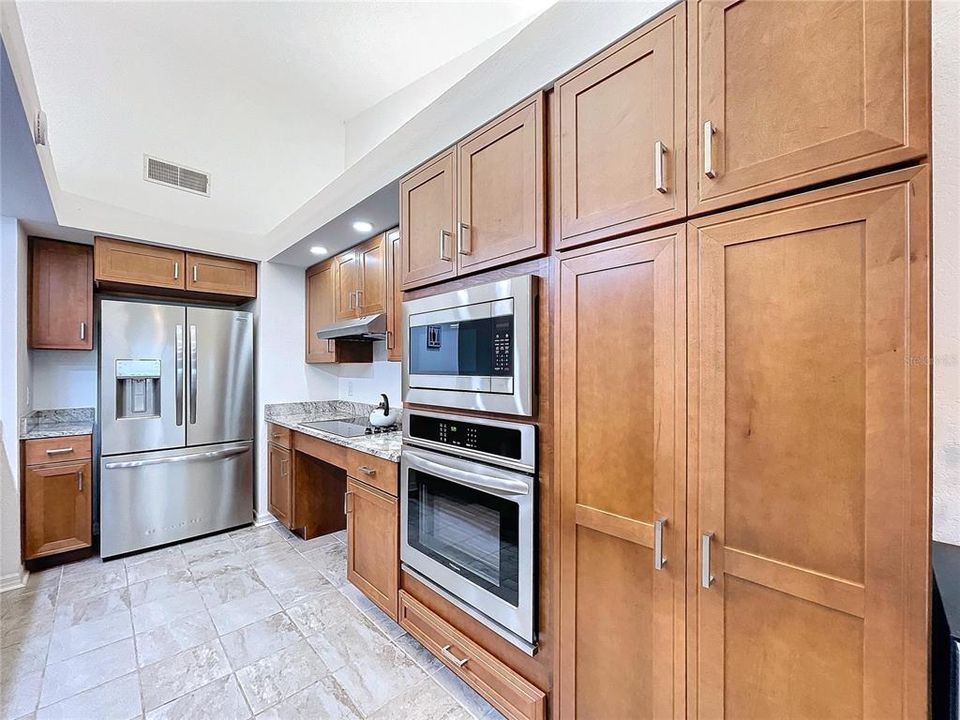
[138, 389]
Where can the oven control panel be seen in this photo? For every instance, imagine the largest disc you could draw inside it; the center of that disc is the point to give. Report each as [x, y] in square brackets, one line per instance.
[478, 436]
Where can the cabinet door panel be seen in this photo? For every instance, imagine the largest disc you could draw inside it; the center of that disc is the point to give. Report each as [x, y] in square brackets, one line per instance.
[57, 508]
[612, 113]
[347, 282]
[221, 276]
[501, 190]
[808, 411]
[321, 299]
[372, 277]
[427, 217]
[802, 92]
[137, 264]
[394, 298]
[280, 484]
[622, 300]
[373, 550]
[61, 295]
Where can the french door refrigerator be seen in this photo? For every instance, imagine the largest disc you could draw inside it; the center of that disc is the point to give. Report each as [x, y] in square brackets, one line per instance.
[177, 419]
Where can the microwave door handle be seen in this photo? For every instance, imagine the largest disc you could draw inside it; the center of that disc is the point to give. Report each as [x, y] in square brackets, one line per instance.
[488, 483]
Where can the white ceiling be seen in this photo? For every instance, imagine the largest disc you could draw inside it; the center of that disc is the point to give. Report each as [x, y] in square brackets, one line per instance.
[255, 93]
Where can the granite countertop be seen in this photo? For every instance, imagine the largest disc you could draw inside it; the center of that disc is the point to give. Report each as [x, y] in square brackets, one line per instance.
[290, 415]
[57, 423]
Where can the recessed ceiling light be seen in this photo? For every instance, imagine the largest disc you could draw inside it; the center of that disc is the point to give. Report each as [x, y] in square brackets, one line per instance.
[318, 250]
[362, 226]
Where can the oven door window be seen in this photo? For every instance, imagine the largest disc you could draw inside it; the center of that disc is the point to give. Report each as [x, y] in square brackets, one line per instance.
[469, 531]
[466, 348]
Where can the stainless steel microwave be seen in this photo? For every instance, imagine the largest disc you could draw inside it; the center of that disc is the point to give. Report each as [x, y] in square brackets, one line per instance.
[474, 348]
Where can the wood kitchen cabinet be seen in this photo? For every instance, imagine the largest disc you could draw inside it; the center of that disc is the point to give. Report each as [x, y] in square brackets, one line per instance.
[428, 213]
[620, 135]
[361, 280]
[321, 298]
[789, 94]
[622, 485]
[60, 295]
[373, 550]
[394, 297]
[500, 182]
[128, 263]
[478, 205]
[57, 496]
[221, 276]
[809, 443]
[279, 484]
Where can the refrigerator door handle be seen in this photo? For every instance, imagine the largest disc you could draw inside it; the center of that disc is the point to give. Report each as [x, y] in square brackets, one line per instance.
[193, 457]
[179, 373]
[193, 374]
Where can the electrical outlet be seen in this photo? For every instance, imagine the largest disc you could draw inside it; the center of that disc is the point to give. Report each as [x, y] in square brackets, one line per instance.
[349, 388]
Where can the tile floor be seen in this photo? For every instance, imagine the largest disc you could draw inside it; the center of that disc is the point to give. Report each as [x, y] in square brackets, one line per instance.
[255, 622]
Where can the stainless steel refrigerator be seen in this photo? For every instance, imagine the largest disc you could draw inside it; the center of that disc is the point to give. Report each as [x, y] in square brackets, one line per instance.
[177, 419]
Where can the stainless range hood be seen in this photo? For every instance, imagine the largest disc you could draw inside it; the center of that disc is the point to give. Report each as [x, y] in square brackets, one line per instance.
[368, 327]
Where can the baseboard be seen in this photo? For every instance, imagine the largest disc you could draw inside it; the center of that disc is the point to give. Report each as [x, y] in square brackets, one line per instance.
[14, 581]
[263, 518]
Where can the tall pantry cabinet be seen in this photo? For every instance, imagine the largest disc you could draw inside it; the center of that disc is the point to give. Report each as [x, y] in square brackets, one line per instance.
[743, 398]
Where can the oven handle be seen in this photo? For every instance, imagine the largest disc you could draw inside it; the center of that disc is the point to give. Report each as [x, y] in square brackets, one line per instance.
[495, 484]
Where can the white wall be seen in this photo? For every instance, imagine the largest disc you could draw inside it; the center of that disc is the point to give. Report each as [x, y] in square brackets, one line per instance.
[282, 375]
[946, 272]
[14, 369]
[363, 382]
[63, 378]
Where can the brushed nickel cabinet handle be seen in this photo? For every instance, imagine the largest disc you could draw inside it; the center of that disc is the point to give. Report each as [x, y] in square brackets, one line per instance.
[176, 270]
[283, 467]
[706, 579]
[196, 273]
[367, 470]
[346, 503]
[390, 339]
[79, 480]
[660, 184]
[448, 654]
[359, 301]
[59, 451]
[276, 435]
[461, 246]
[658, 559]
[443, 246]
[329, 346]
[708, 132]
[83, 330]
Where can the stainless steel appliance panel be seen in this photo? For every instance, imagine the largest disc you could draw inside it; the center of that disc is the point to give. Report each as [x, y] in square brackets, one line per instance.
[220, 397]
[145, 333]
[149, 499]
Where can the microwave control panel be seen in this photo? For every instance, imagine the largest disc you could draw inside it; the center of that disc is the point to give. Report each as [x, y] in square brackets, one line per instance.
[503, 345]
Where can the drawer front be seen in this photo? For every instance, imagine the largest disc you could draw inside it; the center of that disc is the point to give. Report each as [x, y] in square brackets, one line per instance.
[58, 449]
[374, 471]
[320, 449]
[279, 435]
[502, 687]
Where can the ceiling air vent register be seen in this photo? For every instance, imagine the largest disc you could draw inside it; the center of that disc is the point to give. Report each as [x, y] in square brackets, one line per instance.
[172, 175]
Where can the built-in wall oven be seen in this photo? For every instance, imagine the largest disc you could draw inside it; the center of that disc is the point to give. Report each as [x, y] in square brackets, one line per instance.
[473, 348]
[468, 516]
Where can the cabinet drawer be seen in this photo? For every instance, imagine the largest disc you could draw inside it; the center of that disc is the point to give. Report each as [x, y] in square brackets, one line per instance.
[502, 687]
[279, 435]
[58, 449]
[374, 471]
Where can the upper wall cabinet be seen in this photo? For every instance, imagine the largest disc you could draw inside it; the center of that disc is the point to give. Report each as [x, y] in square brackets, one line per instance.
[61, 295]
[221, 276]
[361, 280]
[321, 289]
[428, 209]
[130, 263]
[159, 270]
[394, 297]
[501, 190]
[620, 136]
[784, 95]
[479, 205]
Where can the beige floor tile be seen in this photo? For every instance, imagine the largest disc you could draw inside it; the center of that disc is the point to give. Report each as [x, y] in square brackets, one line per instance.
[318, 613]
[19, 697]
[168, 640]
[115, 700]
[259, 639]
[183, 673]
[331, 561]
[220, 589]
[219, 700]
[243, 611]
[324, 700]
[280, 675]
[88, 636]
[160, 586]
[84, 610]
[165, 610]
[425, 701]
[83, 672]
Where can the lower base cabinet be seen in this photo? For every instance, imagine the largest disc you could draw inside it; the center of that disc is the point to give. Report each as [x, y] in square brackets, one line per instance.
[509, 693]
[373, 550]
[280, 484]
[57, 508]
